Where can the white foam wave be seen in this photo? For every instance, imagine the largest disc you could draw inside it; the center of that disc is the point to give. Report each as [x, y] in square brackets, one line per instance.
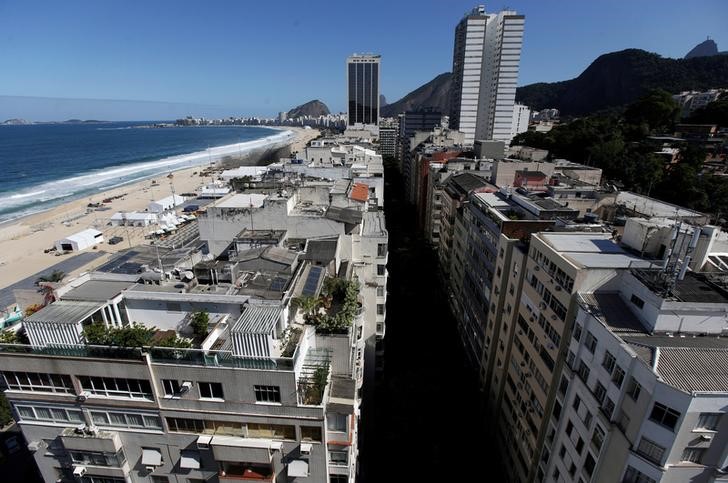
[113, 177]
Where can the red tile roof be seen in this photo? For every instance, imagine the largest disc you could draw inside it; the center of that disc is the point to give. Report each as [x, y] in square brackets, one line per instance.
[359, 192]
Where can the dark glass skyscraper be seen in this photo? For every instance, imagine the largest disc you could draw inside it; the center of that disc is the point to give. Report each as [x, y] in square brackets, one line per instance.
[362, 76]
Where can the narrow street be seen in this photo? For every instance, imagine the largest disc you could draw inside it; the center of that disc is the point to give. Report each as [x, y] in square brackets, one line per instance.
[424, 422]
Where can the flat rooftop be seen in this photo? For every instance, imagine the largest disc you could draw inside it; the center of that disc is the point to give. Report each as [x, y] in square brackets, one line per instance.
[652, 207]
[591, 250]
[65, 312]
[97, 290]
[612, 311]
[241, 200]
[708, 288]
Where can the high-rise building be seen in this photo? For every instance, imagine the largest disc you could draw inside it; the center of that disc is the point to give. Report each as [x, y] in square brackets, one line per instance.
[388, 133]
[485, 71]
[362, 78]
[521, 116]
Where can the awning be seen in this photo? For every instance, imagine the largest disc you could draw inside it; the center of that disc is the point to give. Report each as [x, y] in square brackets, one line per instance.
[306, 448]
[189, 460]
[151, 457]
[298, 468]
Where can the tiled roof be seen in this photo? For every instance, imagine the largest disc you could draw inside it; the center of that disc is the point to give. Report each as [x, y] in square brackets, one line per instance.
[359, 192]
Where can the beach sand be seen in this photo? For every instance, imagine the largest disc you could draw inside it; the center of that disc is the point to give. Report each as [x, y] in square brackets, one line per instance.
[22, 241]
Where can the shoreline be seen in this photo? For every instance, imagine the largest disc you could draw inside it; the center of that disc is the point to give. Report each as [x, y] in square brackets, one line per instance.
[23, 239]
[91, 183]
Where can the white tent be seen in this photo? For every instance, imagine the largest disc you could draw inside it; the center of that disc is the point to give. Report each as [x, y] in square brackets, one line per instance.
[165, 204]
[80, 241]
[133, 218]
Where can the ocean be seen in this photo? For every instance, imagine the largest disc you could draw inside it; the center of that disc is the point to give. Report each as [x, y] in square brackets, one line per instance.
[44, 165]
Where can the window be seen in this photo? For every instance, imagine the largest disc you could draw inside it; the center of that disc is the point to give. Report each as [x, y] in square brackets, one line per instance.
[268, 394]
[562, 451]
[311, 433]
[98, 458]
[577, 332]
[37, 382]
[339, 457]
[579, 445]
[101, 479]
[631, 475]
[664, 415]
[618, 376]
[583, 371]
[608, 408]
[380, 309]
[597, 437]
[634, 388]
[590, 342]
[693, 455]
[600, 392]
[708, 421]
[380, 291]
[589, 464]
[210, 390]
[126, 420]
[564, 385]
[116, 387]
[338, 479]
[271, 431]
[651, 451]
[54, 415]
[608, 362]
[171, 387]
[637, 301]
[381, 249]
[572, 469]
[569, 428]
[160, 479]
[336, 422]
[381, 270]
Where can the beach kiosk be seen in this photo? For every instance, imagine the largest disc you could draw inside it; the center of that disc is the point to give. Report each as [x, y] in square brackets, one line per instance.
[80, 241]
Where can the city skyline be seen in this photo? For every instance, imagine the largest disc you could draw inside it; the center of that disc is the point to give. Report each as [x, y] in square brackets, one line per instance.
[131, 54]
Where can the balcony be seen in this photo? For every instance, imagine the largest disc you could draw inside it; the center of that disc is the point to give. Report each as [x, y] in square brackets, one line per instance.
[87, 439]
[245, 472]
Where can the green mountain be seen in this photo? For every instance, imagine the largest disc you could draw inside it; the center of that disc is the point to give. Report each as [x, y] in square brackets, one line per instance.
[618, 78]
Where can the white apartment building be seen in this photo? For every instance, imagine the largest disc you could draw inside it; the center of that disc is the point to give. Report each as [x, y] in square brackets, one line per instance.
[486, 58]
[521, 118]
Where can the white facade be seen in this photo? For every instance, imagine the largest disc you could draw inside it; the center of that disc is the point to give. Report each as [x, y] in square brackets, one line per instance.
[485, 72]
[521, 116]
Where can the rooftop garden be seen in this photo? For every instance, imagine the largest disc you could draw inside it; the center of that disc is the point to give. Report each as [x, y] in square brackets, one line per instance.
[333, 311]
[133, 335]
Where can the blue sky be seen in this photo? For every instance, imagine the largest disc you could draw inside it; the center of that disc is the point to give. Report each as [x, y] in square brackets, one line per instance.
[265, 56]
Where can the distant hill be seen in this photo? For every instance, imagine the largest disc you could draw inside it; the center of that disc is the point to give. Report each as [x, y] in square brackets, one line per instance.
[434, 94]
[618, 78]
[313, 108]
[14, 122]
[704, 49]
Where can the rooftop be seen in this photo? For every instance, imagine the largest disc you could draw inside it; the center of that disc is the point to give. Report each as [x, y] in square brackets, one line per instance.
[344, 215]
[97, 290]
[252, 200]
[693, 288]
[64, 312]
[652, 207]
[687, 363]
[374, 224]
[258, 319]
[359, 192]
[591, 250]
[612, 311]
[321, 250]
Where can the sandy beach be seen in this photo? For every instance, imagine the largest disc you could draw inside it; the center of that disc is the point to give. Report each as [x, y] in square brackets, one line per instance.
[22, 241]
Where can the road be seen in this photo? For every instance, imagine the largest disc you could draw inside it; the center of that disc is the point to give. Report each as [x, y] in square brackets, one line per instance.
[67, 266]
[424, 423]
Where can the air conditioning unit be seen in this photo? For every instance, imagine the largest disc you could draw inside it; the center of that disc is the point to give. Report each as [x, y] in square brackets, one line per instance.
[83, 396]
[79, 471]
[150, 469]
[706, 437]
[186, 386]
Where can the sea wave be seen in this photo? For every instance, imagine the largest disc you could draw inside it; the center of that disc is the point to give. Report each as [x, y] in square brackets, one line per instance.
[49, 194]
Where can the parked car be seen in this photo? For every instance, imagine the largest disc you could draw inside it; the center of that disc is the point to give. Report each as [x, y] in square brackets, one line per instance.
[115, 239]
[191, 208]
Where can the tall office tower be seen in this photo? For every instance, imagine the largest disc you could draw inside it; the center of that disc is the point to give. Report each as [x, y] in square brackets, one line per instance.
[485, 71]
[362, 78]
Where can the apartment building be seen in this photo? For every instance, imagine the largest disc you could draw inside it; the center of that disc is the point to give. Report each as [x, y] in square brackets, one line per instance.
[121, 381]
[388, 134]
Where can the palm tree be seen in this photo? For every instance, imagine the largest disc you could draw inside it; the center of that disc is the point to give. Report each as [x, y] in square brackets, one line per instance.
[309, 306]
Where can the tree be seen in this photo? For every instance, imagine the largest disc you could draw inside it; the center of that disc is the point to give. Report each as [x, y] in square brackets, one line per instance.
[8, 337]
[309, 306]
[5, 414]
[714, 113]
[199, 323]
[173, 340]
[134, 335]
[55, 276]
[657, 109]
